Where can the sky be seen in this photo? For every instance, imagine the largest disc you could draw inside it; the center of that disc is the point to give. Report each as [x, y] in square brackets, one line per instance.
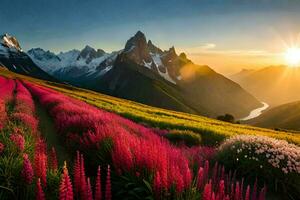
[227, 35]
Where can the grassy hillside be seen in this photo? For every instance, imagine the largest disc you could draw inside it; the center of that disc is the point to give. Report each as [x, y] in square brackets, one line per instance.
[285, 116]
[212, 131]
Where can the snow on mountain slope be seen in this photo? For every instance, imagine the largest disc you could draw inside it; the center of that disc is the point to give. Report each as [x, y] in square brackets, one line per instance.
[10, 42]
[157, 60]
[87, 60]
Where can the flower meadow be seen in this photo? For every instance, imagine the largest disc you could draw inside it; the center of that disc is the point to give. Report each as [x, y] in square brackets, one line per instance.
[111, 157]
[276, 161]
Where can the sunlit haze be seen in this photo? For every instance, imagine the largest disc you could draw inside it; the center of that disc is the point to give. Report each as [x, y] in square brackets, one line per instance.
[226, 35]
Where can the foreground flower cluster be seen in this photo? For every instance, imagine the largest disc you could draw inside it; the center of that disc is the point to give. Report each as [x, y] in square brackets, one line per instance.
[135, 149]
[278, 153]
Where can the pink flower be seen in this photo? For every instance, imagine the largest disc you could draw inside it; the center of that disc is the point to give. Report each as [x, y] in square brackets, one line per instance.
[98, 193]
[200, 178]
[27, 171]
[221, 191]
[53, 159]
[83, 183]
[108, 185]
[237, 191]
[247, 195]
[65, 188]
[207, 193]
[40, 166]
[76, 173]
[89, 192]
[19, 140]
[39, 191]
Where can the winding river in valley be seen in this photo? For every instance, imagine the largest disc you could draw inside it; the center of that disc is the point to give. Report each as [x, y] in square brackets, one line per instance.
[256, 112]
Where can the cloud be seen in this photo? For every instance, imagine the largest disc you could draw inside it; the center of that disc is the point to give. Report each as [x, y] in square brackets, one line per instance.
[207, 46]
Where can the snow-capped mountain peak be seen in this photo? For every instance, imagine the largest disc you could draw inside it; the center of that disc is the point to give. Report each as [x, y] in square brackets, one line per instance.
[10, 42]
[88, 54]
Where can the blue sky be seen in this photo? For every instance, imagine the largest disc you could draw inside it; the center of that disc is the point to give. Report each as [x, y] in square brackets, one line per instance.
[202, 28]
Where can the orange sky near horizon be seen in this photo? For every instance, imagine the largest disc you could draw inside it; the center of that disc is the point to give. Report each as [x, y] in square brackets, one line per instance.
[230, 63]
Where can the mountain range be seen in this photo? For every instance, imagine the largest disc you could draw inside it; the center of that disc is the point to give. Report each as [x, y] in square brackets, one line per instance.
[140, 72]
[15, 59]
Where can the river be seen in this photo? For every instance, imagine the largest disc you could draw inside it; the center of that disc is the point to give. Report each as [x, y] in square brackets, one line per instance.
[256, 112]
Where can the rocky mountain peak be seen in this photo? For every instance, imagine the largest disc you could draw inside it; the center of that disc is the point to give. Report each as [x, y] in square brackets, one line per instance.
[88, 53]
[10, 42]
[137, 41]
[136, 48]
[153, 49]
[41, 54]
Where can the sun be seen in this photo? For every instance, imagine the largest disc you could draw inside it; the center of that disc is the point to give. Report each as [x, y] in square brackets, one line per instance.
[292, 56]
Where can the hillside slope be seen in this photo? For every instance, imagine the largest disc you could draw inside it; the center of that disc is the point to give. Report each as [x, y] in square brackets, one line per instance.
[286, 116]
[212, 131]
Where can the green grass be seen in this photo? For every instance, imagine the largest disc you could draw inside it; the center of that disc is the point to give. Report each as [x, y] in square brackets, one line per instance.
[212, 131]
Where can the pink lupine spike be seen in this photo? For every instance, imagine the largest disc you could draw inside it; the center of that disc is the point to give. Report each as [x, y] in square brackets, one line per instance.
[27, 171]
[221, 189]
[83, 184]
[207, 192]
[39, 191]
[65, 189]
[237, 191]
[40, 166]
[108, 185]
[247, 195]
[98, 192]
[89, 190]
[53, 159]
[213, 196]
[200, 178]
[241, 189]
[76, 173]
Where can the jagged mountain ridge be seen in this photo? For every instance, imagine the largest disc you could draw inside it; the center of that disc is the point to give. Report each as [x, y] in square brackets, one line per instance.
[144, 73]
[14, 59]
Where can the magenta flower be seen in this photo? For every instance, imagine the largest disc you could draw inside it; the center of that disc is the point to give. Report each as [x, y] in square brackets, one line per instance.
[76, 173]
[19, 140]
[207, 193]
[89, 192]
[98, 193]
[27, 171]
[247, 195]
[39, 191]
[40, 166]
[53, 159]
[108, 185]
[65, 188]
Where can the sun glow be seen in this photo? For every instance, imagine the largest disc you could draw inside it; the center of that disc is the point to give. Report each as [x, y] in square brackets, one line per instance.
[292, 56]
